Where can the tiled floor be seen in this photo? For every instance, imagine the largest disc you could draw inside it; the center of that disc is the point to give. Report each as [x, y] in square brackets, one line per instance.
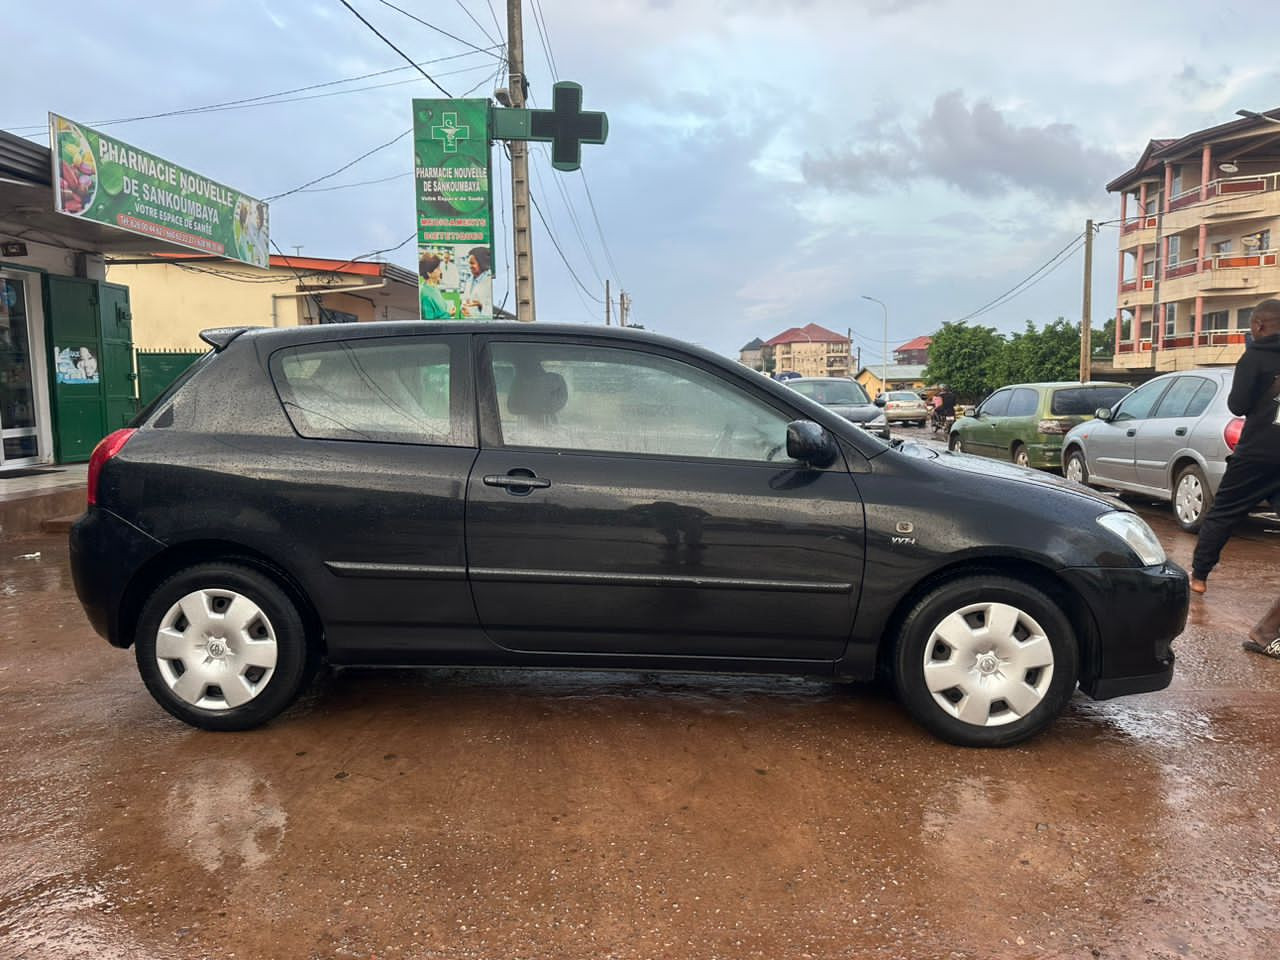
[33, 483]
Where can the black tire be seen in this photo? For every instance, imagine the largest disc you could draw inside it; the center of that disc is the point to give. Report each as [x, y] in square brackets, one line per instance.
[276, 689]
[1194, 477]
[955, 444]
[1076, 456]
[1006, 726]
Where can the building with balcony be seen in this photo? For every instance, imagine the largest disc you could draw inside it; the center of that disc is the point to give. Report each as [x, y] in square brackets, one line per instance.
[811, 351]
[1199, 232]
[913, 352]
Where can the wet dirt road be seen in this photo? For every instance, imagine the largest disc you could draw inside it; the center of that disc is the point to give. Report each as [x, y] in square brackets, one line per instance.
[449, 814]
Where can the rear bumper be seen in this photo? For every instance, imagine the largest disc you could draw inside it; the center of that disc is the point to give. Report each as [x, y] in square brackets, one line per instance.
[1045, 456]
[105, 553]
[1137, 614]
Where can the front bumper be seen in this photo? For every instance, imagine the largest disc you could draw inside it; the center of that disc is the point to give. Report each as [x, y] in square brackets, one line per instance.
[105, 553]
[1137, 613]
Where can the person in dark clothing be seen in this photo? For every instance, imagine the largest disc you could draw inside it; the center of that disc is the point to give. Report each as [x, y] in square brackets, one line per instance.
[948, 406]
[1253, 469]
[1264, 638]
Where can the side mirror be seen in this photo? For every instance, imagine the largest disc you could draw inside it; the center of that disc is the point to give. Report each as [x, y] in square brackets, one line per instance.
[809, 443]
[879, 401]
[1103, 413]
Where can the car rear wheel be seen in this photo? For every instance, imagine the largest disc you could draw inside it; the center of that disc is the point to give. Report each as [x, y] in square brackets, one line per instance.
[1020, 455]
[1191, 498]
[955, 444]
[222, 647]
[985, 661]
[1076, 469]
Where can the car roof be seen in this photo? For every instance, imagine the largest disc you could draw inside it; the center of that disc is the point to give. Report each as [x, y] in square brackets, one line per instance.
[1060, 384]
[820, 379]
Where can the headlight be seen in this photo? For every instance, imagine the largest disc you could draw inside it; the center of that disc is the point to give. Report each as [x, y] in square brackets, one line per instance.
[1133, 530]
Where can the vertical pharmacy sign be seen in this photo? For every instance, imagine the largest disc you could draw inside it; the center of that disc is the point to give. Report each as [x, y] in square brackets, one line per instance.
[97, 177]
[454, 208]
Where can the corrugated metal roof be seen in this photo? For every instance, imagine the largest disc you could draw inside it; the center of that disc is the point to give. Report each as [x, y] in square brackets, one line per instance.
[22, 159]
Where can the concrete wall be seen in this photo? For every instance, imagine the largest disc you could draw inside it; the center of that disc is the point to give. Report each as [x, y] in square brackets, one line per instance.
[50, 258]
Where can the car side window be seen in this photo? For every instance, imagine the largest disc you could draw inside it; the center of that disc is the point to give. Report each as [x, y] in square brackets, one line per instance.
[615, 400]
[1177, 400]
[1139, 404]
[996, 405]
[1023, 403]
[394, 390]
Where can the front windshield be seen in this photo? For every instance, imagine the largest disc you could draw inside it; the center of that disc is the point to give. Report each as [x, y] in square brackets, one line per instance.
[830, 392]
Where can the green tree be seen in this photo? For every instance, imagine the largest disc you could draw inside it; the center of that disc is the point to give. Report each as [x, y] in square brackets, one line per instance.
[1036, 356]
[1104, 341]
[967, 359]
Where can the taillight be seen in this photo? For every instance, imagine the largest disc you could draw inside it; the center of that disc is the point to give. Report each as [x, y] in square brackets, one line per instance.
[1051, 426]
[107, 448]
[1232, 432]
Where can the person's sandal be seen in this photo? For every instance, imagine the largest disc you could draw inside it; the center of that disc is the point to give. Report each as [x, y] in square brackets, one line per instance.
[1271, 650]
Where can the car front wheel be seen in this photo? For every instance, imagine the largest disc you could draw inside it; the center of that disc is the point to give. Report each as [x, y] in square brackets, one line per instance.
[1191, 498]
[985, 661]
[955, 444]
[222, 647]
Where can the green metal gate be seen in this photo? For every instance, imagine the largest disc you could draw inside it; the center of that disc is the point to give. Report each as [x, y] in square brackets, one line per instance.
[159, 368]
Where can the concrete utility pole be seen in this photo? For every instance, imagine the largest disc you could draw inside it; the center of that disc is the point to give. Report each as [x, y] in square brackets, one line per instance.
[521, 224]
[1086, 319]
[624, 307]
[608, 304]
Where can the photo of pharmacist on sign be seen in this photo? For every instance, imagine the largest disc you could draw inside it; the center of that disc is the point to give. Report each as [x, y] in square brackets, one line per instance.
[455, 282]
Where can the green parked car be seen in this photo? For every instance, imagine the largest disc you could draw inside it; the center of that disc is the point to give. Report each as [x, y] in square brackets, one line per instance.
[1025, 423]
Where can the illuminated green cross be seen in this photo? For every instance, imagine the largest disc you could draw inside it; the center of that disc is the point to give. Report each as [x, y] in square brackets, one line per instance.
[449, 131]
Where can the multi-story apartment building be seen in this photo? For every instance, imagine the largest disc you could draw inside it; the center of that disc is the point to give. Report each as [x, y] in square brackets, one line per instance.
[913, 352]
[1199, 232]
[811, 351]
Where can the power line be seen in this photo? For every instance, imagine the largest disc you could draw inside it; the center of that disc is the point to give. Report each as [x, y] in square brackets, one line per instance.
[407, 58]
[555, 243]
[573, 216]
[264, 98]
[358, 183]
[1012, 291]
[488, 36]
[345, 166]
[432, 26]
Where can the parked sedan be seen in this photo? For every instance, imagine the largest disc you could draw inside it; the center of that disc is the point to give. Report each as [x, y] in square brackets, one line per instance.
[1168, 439]
[492, 494]
[904, 406]
[845, 397]
[1025, 423]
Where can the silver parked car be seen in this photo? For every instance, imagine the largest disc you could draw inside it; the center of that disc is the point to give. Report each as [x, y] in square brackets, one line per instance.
[1168, 439]
[905, 406]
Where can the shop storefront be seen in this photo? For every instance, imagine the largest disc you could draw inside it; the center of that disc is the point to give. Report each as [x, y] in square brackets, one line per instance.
[24, 392]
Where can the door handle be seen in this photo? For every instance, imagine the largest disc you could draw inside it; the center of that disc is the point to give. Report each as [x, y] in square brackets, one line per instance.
[1132, 431]
[1180, 432]
[517, 482]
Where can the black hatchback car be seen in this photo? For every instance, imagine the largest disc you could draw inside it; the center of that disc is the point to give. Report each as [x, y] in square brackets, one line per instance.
[583, 497]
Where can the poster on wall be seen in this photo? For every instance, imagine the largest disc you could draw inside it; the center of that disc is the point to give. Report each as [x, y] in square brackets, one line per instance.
[97, 177]
[75, 365]
[454, 209]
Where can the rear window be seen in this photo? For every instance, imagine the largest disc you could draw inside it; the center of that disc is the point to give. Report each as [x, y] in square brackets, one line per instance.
[905, 397]
[1086, 401]
[389, 391]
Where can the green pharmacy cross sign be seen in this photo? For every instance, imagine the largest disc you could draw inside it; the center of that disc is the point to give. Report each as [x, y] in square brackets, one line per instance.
[449, 132]
[565, 126]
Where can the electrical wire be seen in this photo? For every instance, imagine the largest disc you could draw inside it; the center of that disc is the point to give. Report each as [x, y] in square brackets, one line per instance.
[573, 216]
[432, 26]
[555, 243]
[1015, 289]
[358, 183]
[359, 16]
[345, 166]
[487, 35]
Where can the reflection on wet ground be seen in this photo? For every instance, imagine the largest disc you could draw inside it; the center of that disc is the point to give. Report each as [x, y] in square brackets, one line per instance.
[450, 813]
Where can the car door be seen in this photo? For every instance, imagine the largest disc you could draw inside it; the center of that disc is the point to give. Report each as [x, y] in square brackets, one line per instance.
[1111, 448]
[628, 500]
[369, 497]
[1018, 425]
[980, 436]
[1169, 427]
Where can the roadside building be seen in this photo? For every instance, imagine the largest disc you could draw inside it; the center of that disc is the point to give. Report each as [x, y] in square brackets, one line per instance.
[174, 298]
[811, 351]
[66, 361]
[752, 354]
[913, 352]
[878, 379]
[1199, 245]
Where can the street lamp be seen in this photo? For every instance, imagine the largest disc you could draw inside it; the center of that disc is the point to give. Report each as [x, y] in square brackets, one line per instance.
[884, 379]
[1254, 115]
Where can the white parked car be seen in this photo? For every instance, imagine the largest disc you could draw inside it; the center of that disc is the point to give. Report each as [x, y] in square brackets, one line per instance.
[905, 406]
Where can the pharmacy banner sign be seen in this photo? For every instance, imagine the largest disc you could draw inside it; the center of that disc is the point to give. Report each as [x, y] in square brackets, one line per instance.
[97, 177]
[454, 208]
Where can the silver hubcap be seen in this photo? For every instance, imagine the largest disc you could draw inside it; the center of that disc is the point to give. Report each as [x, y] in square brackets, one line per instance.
[1074, 470]
[216, 649]
[988, 664]
[1020, 458]
[957, 445]
[1189, 500]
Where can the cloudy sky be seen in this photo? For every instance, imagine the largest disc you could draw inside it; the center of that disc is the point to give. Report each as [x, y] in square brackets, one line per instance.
[767, 165]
